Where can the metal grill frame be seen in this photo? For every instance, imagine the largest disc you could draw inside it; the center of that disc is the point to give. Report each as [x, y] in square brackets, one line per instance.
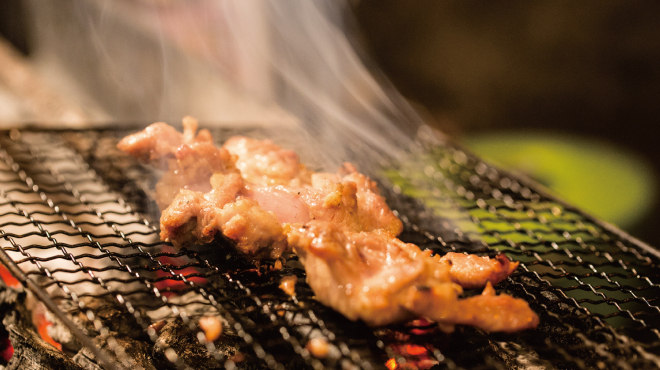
[423, 208]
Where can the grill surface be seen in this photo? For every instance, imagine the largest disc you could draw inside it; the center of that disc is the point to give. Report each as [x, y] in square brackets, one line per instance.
[76, 217]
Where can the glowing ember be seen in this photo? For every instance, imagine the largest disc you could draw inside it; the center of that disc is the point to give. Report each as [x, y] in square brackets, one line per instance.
[392, 364]
[416, 357]
[423, 326]
[8, 278]
[6, 349]
[411, 356]
[173, 284]
[238, 357]
[169, 283]
[42, 324]
[415, 350]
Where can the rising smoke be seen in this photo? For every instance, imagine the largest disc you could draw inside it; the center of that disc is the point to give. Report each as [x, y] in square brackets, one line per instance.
[273, 62]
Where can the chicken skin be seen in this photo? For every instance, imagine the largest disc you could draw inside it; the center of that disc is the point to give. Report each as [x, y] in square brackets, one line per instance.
[262, 198]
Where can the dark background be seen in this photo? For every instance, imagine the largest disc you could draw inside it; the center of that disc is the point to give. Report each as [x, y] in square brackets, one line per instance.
[588, 68]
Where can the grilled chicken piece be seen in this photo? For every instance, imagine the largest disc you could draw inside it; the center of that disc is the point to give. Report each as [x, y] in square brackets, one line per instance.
[160, 140]
[276, 179]
[247, 189]
[373, 212]
[331, 197]
[198, 217]
[377, 278]
[190, 159]
[260, 196]
[195, 217]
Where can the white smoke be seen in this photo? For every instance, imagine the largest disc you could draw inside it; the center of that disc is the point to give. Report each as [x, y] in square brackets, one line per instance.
[267, 63]
[319, 76]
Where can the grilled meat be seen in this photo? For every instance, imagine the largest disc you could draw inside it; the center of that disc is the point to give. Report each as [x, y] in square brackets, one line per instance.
[190, 160]
[195, 217]
[247, 189]
[377, 278]
[260, 196]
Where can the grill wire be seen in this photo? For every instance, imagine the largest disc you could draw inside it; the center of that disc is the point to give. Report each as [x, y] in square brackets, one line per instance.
[76, 216]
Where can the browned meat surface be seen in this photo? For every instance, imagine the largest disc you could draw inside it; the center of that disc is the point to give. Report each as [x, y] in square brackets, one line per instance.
[259, 196]
[470, 271]
[261, 162]
[190, 159]
[156, 141]
[160, 140]
[379, 279]
[276, 179]
[354, 205]
[373, 211]
[195, 217]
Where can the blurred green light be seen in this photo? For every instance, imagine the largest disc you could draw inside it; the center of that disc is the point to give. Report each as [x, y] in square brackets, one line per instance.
[600, 178]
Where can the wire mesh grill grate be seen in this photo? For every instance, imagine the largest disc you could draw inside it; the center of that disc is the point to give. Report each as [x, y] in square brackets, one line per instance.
[77, 217]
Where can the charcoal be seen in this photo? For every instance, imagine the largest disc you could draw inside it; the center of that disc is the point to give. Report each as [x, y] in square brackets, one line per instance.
[185, 302]
[9, 297]
[138, 352]
[112, 316]
[13, 308]
[30, 350]
[178, 336]
[86, 360]
[62, 335]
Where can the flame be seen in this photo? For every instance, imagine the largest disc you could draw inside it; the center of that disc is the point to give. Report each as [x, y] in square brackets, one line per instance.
[392, 364]
[8, 278]
[43, 332]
